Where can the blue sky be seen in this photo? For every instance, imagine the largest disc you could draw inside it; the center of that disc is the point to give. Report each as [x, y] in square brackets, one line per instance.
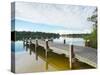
[55, 18]
[29, 26]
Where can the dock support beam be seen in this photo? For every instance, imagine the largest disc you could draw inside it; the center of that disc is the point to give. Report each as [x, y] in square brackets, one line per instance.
[46, 53]
[47, 47]
[36, 45]
[71, 56]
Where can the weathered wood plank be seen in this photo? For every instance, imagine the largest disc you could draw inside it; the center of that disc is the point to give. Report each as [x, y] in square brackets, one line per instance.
[84, 54]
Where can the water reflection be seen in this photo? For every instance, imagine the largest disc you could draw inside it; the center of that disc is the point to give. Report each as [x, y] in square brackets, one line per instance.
[56, 60]
[68, 40]
[29, 58]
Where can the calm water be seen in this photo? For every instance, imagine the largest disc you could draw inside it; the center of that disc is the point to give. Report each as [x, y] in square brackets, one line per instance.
[74, 41]
[29, 60]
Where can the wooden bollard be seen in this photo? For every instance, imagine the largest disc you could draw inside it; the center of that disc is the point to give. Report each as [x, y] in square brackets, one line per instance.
[36, 45]
[36, 42]
[46, 54]
[64, 41]
[30, 41]
[46, 50]
[47, 46]
[71, 56]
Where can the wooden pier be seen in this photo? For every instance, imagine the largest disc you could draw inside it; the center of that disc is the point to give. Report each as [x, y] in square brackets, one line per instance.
[85, 54]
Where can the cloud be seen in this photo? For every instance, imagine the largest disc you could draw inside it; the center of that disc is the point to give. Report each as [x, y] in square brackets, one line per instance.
[69, 16]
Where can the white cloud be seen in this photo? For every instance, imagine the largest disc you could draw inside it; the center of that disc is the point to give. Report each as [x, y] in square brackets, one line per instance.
[69, 16]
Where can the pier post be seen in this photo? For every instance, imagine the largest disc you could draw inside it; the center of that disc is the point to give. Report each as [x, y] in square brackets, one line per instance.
[26, 41]
[64, 41]
[46, 41]
[47, 46]
[30, 42]
[71, 56]
[46, 53]
[36, 45]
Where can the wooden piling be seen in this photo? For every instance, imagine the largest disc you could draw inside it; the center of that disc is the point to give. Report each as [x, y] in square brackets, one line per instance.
[80, 55]
[30, 41]
[64, 41]
[30, 51]
[47, 46]
[46, 49]
[36, 45]
[46, 53]
[71, 56]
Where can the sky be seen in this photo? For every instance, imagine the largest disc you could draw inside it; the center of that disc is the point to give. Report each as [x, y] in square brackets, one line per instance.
[53, 18]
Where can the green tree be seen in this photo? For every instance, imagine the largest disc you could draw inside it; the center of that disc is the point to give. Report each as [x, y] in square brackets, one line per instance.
[93, 36]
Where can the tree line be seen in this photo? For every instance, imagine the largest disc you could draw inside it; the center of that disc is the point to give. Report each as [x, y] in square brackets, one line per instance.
[76, 35]
[19, 35]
